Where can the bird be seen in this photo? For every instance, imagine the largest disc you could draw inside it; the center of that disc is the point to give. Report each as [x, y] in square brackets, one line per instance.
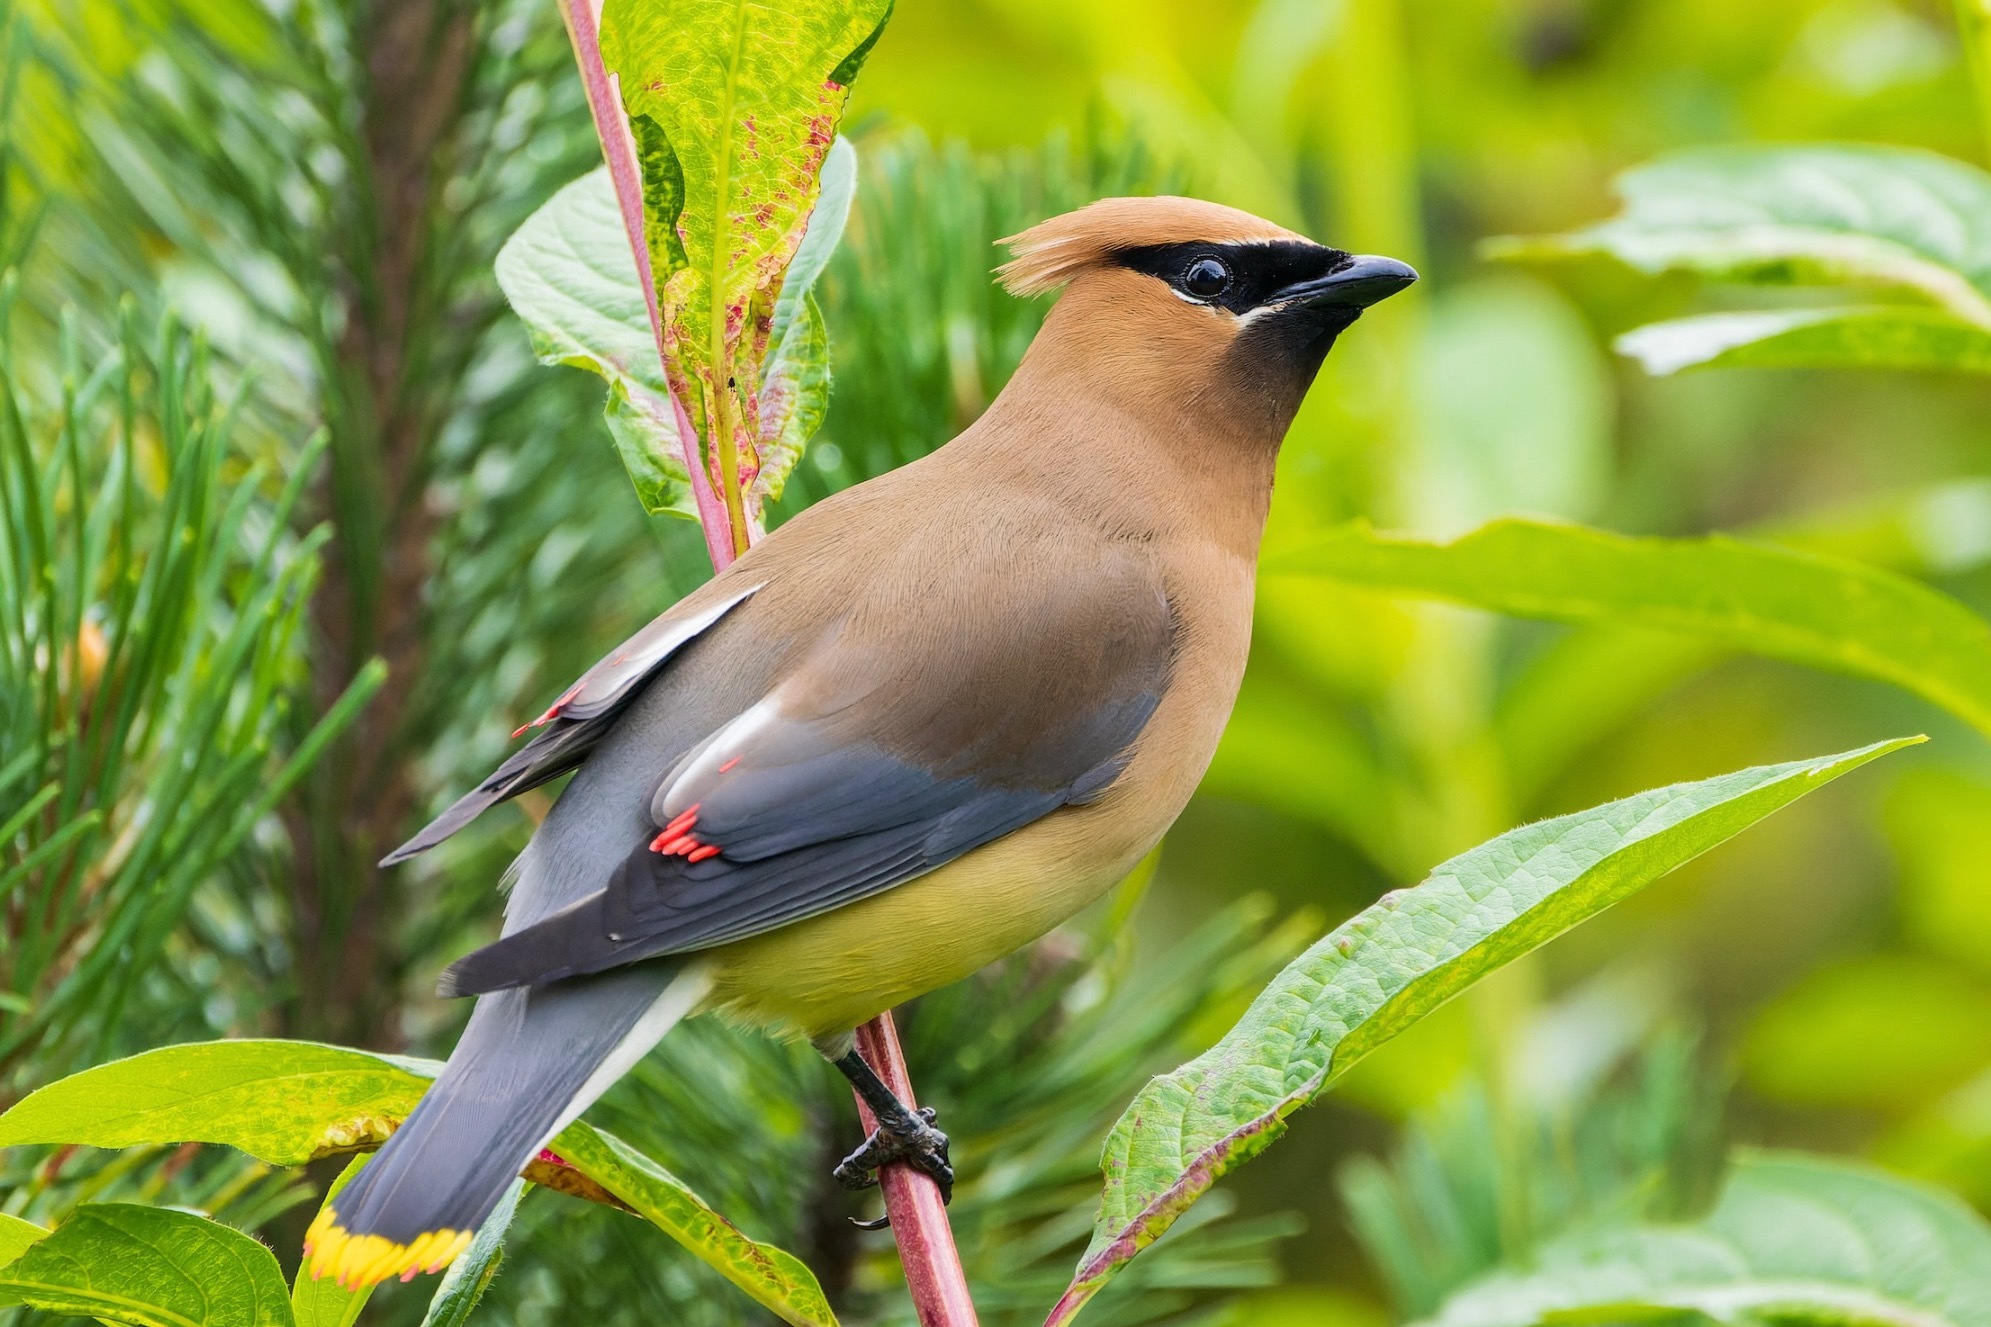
[918, 726]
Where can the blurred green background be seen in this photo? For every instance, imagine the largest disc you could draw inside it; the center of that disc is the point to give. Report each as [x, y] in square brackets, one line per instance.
[317, 190]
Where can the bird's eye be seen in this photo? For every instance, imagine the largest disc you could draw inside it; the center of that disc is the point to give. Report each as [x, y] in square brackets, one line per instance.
[1206, 278]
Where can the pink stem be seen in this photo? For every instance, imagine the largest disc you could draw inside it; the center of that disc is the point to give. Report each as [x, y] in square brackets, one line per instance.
[919, 1218]
[619, 150]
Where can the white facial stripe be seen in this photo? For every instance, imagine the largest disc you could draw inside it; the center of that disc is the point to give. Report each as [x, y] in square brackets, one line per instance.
[1187, 298]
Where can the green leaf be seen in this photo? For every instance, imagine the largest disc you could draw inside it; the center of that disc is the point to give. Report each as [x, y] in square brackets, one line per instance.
[1805, 607]
[15, 1237]
[152, 1266]
[320, 1301]
[287, 1102]
[775, 1279]
[1388, 967]
[470, 1275]
[1792, 1240]
[795, 381]
[1888, 218]
[570, 277]
[1896, 337]
[284, 1102]
[733, 108]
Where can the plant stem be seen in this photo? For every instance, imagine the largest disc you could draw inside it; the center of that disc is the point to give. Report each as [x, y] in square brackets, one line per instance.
[934, 1277]
[618, 149]
[919, 1218]
[1973, 17]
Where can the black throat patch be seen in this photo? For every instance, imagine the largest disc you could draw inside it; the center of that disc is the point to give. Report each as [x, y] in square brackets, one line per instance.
[1255, 271]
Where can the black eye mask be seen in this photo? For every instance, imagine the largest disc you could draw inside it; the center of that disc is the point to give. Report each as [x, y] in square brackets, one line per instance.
[1237, 277]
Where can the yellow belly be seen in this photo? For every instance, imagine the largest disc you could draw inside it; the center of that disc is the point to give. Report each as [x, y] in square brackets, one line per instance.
[824, 976]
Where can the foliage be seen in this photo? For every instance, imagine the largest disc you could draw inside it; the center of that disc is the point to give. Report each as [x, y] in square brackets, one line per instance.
[150, 1266]
[464, 1284]
[1388, 967]
[733, 108]
[1911, 224]
[1791, 1238]
[1498, 1168]
[290, 1102]
[325, 191]
[151, 603]
[570, 276]
[266, 169]
[1811, 609]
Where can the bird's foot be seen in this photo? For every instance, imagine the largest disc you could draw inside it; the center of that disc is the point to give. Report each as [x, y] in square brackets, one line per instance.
[904, 1136]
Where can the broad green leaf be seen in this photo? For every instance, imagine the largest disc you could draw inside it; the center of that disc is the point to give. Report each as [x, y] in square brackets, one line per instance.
[320, 1301]
[777, 1280]
[1388, 967]
[570, 277]
[1898, 337]
[15, 1237]
[1792, 1239]
[284, 1102]
[1808, 608]
[1889, 218]
[733, 108]
[470, 1275]
[152, 1266]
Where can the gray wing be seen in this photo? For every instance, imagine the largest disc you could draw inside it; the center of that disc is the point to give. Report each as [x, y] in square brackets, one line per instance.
[576, 723]
[797, 807]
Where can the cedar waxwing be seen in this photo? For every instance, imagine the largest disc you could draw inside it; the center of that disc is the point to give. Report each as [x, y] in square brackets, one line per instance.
[924, 722]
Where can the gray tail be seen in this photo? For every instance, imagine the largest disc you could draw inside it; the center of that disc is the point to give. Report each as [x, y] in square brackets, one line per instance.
[530, 1061]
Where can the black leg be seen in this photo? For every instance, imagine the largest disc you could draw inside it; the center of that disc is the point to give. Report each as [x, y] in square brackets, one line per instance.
[902, 1134]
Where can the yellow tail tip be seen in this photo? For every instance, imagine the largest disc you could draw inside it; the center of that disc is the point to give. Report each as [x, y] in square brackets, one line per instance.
[355, 1261]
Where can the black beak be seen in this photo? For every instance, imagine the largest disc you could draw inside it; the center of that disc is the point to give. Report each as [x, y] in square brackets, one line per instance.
[1365, 280]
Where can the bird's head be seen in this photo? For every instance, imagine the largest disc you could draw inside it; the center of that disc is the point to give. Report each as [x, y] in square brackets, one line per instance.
[1178, 302]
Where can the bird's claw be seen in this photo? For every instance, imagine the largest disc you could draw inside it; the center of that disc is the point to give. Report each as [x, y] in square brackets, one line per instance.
[912, 1140]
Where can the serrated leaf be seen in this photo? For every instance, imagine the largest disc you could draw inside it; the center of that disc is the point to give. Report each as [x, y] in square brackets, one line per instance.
[470, 1275]
[1805, 607]
[153, 1266]
[777, 1280]
[1389, 966]
[284, 1102]
[1891, 337]
[570, 277]
[320, 1301]
[1890, 218]
[733, 108]
[1792, 1239]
